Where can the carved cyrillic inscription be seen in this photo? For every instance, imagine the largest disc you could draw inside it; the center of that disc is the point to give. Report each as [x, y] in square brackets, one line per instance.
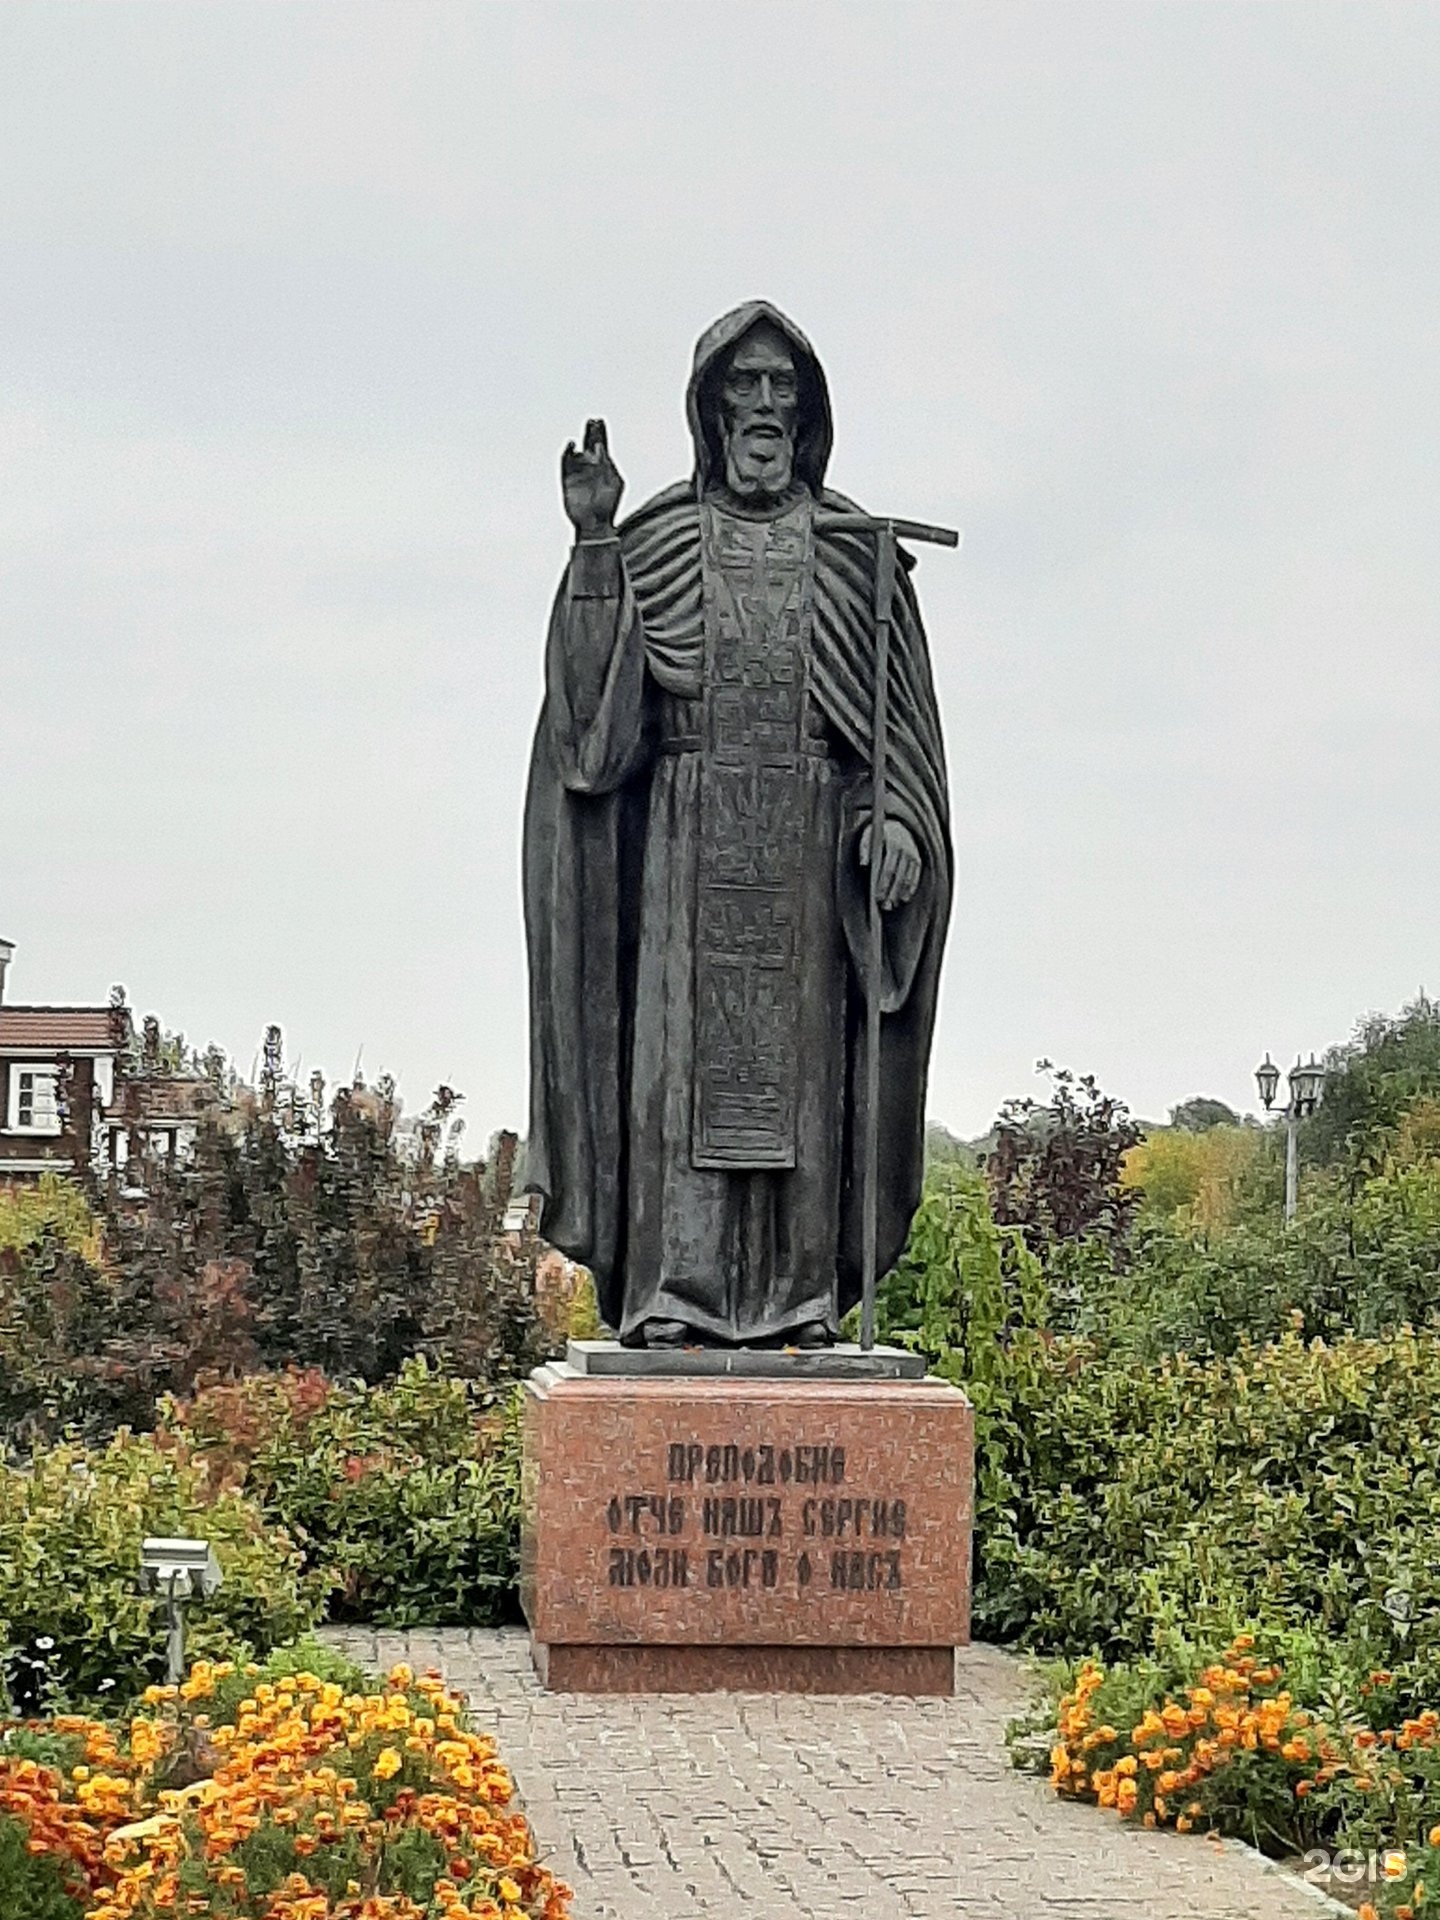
[767, 1514]
[757, 587]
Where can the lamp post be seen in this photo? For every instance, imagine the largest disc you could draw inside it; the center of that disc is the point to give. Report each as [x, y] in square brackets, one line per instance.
[182, 1570]
[1306, 1088]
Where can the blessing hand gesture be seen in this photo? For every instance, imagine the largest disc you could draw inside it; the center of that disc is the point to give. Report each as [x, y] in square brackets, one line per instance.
[591, 484]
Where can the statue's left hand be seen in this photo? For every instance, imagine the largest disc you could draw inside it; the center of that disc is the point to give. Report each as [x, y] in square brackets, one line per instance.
[899, 864]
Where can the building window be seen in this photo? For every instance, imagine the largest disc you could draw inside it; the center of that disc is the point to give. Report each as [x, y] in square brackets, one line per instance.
[33, 1106]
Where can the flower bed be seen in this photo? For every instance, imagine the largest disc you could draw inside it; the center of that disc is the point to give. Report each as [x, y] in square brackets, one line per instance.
[1234, 1753]
[270, 1795]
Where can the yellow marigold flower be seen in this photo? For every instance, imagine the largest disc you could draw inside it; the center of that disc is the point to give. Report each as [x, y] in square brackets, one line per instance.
[387, 1764]
[508, 1890]
[1126, 1764]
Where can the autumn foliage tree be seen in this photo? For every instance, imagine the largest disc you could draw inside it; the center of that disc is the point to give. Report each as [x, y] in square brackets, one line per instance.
[1055, 1168]
[303, 1229]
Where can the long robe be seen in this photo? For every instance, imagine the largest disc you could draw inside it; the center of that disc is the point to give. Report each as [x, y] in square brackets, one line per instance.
[612, 853]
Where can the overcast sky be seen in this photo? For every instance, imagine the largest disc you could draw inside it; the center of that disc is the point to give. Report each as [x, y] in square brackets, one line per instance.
[298, 304]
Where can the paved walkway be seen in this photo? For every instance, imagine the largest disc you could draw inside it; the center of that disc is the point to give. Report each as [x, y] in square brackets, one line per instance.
[787, 1807]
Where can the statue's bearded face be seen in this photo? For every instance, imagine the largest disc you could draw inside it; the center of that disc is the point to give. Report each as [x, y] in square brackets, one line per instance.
[759, 401]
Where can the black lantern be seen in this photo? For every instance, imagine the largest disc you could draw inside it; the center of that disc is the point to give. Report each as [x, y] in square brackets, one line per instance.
[1267, 1079]
[1307, 1084]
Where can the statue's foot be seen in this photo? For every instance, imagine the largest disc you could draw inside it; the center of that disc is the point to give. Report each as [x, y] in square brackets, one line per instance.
[666, 1333]
[813, 1334]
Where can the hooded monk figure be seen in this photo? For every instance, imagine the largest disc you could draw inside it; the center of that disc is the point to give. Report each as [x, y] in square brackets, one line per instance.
[696, 855]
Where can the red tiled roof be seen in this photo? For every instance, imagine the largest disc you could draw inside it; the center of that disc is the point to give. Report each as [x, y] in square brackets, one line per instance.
[51, 1029]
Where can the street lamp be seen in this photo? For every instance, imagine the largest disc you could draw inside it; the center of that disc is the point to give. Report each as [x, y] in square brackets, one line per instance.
[182, 1570]
[1306, 1088]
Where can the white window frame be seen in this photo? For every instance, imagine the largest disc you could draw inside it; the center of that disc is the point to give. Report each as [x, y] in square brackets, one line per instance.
[44, 1121]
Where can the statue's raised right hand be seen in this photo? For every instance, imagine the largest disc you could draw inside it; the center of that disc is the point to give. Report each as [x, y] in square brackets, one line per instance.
[591, 484]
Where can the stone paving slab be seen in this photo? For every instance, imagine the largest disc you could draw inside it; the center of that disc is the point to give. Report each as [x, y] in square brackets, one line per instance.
[797, 1807]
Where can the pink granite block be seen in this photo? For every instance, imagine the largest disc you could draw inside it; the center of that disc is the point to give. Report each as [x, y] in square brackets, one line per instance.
[742, 1519]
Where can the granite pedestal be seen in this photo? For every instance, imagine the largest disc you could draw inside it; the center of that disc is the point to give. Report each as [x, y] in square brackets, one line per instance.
[775, 1531]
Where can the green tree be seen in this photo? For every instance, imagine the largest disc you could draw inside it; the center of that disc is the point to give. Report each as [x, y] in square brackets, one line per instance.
[1199, 1114]
[945, 1149]
[1372, 1082]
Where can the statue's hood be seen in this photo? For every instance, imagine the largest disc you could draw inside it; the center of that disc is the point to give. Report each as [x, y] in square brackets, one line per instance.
[813, 434]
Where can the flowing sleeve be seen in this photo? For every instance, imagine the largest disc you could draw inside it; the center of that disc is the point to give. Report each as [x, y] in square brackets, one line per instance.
[595, 672]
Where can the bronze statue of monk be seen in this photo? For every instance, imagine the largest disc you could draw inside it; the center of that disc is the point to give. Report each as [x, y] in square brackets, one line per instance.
[696, 874]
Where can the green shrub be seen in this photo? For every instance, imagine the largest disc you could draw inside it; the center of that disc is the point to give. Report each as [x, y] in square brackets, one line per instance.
[406, 1495]
[972, 1296]
[1363, 1257]
[52, 1205]
[1289, 1487]
[74, 1618]
[1132, 1498]
[306, 1655]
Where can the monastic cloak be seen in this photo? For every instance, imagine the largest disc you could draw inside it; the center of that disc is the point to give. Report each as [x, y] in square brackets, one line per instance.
[610, 804]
